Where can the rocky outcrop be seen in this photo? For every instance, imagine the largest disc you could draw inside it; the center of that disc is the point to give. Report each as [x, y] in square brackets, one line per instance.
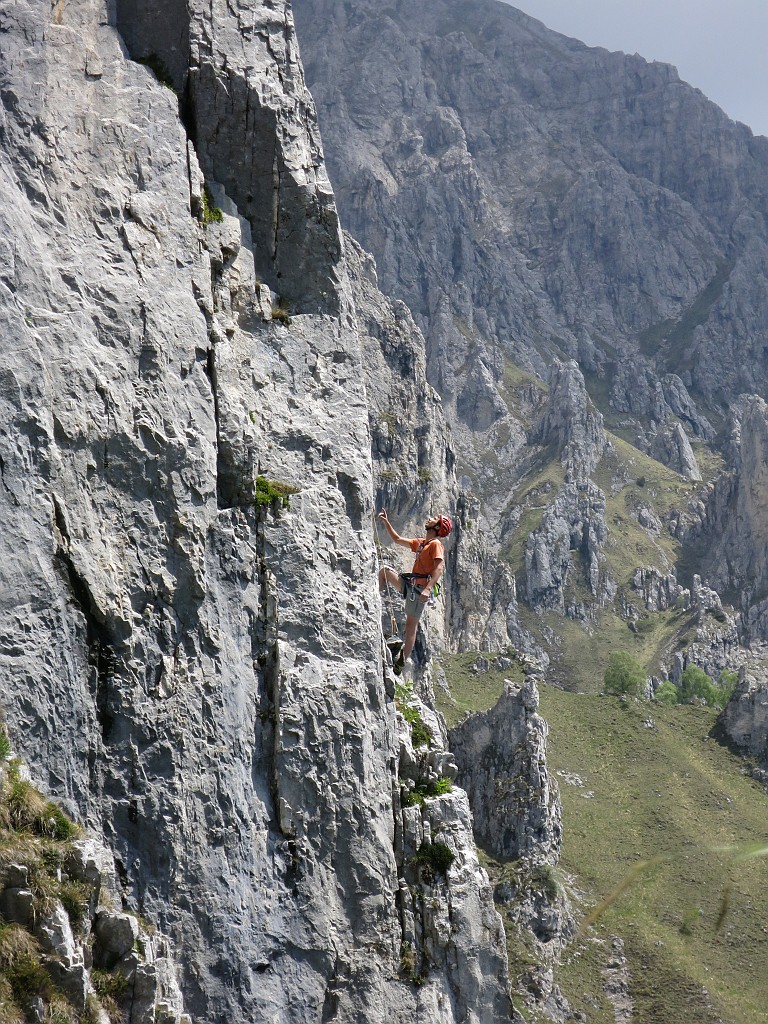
[241, 88]
[659, 592]
[191, 643]
[571, 423]
[656, 402]
[672, 447]
[501, 759]
[744, 721]
[58, 900]
[453, 939]
[569, 541]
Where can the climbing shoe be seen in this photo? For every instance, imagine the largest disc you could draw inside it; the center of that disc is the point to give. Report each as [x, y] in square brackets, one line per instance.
[397, 664]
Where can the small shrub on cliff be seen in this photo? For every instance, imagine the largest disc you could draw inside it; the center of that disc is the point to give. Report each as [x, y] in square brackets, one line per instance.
[20, 966]
[29, 811]
[111, 988]
[74, 898]
[420, 734]
[543, 877]
[436, 857]
[211, 212]
[624, 674]
[280, 312]
[419, 794]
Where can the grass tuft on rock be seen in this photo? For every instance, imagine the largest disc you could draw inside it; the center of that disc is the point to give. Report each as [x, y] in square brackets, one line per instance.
[273, 491]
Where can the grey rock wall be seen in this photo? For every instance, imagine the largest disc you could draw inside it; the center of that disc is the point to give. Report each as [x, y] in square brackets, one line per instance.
[501, 763]
[242, 96]
[501, 759]
[195, 674]
[571, 423]
[728, 530]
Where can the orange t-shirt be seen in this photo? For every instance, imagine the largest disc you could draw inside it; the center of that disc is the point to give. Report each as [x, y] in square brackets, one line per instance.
[428, 557]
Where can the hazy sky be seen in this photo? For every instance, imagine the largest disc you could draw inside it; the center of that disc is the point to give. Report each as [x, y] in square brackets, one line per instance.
[720, 46]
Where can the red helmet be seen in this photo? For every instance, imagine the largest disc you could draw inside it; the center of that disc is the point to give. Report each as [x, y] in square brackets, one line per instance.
[444, 526]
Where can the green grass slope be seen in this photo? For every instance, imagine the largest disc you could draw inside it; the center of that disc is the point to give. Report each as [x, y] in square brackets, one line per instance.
[666, 809]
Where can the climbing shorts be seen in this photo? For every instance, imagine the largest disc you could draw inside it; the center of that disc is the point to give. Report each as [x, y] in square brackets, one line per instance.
[414, 606]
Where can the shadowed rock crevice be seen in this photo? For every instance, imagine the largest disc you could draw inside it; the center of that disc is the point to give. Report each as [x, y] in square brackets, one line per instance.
[157, 34]
[275, 177]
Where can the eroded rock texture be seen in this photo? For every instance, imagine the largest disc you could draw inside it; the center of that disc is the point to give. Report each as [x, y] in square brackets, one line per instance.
[501, 758]
[191, 643]
[528, 195]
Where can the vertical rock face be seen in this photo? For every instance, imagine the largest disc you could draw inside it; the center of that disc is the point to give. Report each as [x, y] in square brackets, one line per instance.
[731, 531]
[745, 719]
[252, 121]
[501, 762]
[191, 647]
[673, 448]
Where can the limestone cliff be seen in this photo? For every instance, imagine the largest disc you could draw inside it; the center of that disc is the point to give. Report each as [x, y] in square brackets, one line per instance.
[191, 641]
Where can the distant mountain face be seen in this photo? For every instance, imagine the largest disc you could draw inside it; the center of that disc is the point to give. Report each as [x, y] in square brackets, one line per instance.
[529, 196]
[581, 237]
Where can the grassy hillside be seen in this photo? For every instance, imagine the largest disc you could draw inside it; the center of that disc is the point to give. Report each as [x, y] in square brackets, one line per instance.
[654, 790]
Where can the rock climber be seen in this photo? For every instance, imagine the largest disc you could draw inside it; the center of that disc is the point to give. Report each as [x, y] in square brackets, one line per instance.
[416, 586]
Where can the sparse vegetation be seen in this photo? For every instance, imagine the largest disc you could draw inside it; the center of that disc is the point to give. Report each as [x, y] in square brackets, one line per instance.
[543, 876]
[74, 898]
[36, 834]
[269, 492]
[280, 312]
[159, 69]
[420, 734]
[416, 796]
[111, 988]
[24, 809]
[212, 214]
